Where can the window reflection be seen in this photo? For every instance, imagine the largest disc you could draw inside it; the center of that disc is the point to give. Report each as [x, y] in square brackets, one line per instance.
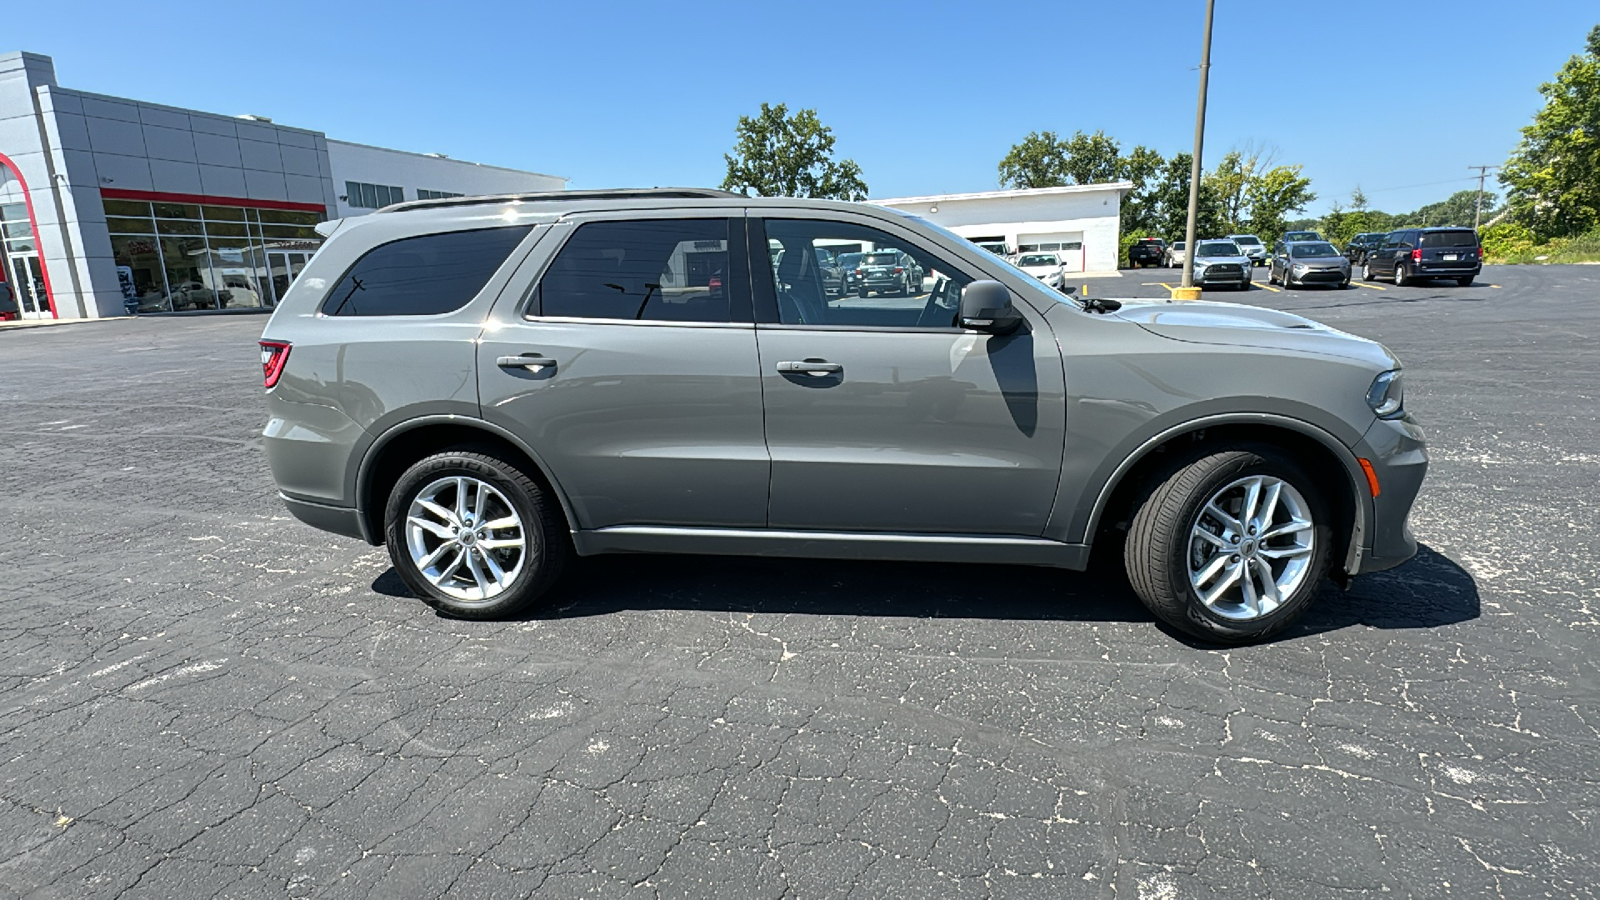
[175, 257]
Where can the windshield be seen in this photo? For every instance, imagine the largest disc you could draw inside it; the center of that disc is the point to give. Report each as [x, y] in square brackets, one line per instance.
[1312, 251]
[849, 259]
[1180, 245]
[1038, 259]
[1247, 239]
[1302, 236]
[881, 259]
[1218, 248]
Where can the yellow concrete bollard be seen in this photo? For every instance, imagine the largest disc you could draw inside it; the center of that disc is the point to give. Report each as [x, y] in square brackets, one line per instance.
[1189, 293]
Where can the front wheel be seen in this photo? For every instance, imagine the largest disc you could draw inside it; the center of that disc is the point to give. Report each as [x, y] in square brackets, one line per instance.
[1232, 547]
[473, 535]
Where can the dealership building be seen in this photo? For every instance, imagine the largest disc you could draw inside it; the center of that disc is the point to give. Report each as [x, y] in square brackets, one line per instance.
[1080, 223]
[110, 206]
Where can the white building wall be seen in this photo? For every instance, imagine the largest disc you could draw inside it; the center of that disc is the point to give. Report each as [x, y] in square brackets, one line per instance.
[410, 171]
[1093, 210]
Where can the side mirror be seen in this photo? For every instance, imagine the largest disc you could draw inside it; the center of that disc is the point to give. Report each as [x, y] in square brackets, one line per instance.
[986, 306]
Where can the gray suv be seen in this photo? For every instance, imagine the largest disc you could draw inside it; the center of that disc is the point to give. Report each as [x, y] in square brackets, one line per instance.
[490, 385]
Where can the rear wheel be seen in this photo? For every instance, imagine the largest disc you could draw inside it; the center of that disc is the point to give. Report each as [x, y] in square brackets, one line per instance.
[1232, 547]
[1401, 279]
[1465, 280]
[473, 535]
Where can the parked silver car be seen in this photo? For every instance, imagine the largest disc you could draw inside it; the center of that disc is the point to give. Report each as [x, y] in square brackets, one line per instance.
[1252, 247]
[490, 385]
[1308, 262]
[1221, 263]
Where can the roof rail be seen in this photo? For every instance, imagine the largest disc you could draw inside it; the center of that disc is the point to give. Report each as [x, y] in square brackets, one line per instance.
[606, 194]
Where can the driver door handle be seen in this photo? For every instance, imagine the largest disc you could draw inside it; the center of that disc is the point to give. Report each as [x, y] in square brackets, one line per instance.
[810, 367]
[533, 362]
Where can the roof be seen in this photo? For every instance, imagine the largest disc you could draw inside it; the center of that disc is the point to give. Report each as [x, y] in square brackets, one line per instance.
[565, 197]
[1121, 186]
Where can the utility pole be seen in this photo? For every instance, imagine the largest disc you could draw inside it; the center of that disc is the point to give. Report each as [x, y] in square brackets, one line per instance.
[1477, 212]
[1189, 293]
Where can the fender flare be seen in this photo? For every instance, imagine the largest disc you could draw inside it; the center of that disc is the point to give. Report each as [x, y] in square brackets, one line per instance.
[375, 450]
[1354, 476]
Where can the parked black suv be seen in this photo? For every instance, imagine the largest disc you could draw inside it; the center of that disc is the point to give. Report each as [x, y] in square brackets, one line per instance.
[1412, 253]
[1146, 252]
[1356, 251]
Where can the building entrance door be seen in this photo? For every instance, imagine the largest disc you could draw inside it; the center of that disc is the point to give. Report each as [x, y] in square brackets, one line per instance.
[285, 266]
[27, 280]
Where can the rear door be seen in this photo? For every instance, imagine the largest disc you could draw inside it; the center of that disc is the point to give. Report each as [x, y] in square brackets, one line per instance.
[882, 415]
[624, 355]
[1381, 260]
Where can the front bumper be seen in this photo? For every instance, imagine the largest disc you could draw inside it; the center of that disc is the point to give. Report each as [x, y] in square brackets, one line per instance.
[1236, 275]
[1320, 276]
[1398, 452]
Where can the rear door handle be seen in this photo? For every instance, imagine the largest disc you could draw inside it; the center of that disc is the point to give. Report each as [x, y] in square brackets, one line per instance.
[810, 367]
[533, 362]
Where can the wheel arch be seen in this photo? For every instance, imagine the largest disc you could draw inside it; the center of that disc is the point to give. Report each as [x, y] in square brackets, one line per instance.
[1330, 463]
[403, 444]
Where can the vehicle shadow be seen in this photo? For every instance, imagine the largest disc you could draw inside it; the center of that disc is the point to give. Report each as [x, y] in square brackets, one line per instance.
[1428, 592]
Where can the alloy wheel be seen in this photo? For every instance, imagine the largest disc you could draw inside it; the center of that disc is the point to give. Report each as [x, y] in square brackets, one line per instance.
[1251, 547]
[466, 538]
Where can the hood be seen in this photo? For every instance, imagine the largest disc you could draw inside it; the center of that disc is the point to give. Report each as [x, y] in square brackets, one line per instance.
[1040, 271]
[1213, 260]
[1251, 326]
[1320, 262]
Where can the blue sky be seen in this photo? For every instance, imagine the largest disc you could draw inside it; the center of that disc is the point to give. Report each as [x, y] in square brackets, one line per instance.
[927, 96]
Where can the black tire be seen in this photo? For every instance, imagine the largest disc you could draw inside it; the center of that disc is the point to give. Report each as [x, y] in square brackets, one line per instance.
[1465, 280]
[545, 540]
[1366, 271]
[1156, 555]
[862, 292]
[1401, 279]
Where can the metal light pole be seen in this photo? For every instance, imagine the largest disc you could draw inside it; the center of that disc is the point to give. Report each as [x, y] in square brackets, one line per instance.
[1194, 169]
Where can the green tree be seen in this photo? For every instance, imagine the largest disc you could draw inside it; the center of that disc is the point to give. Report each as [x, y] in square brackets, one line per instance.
[778, 155]
[1142, 166]
[1043, 159]
[1092, 158]
[1170, 202]
[1039, 161]
[1554, 174]
[1272, 195]
[1457, 209]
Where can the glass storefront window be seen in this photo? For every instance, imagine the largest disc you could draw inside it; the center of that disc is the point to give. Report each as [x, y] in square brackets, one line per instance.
[177, 211]
[179, 256]
[144, 283]
[127, 208]
[129, 226]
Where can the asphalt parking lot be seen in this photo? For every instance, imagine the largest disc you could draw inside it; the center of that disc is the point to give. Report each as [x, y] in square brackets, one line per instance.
[202, 697]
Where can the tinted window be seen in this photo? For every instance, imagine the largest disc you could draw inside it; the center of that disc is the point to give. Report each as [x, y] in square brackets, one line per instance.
[1218, 248]
[423, 276]
[912, 289]
[1249, 239]
[1449, 239]
[673, 270]
[1038, 259]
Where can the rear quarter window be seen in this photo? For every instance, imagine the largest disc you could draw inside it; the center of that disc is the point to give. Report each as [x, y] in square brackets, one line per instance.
[1449, 239]
[424, 275]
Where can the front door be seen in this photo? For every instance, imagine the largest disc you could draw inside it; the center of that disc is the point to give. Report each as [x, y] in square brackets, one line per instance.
[630, 367]
[883, 415]
[27, 279]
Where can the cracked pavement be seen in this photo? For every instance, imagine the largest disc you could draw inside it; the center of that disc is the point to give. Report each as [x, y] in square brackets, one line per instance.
[201, 697]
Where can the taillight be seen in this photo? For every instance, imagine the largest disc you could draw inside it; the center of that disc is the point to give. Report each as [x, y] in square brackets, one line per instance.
[273, 356]
[858, 271]
[899, 269]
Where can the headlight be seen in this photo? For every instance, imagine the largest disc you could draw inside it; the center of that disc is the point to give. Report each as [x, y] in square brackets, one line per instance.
[1299, 267]
[1387, 395]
